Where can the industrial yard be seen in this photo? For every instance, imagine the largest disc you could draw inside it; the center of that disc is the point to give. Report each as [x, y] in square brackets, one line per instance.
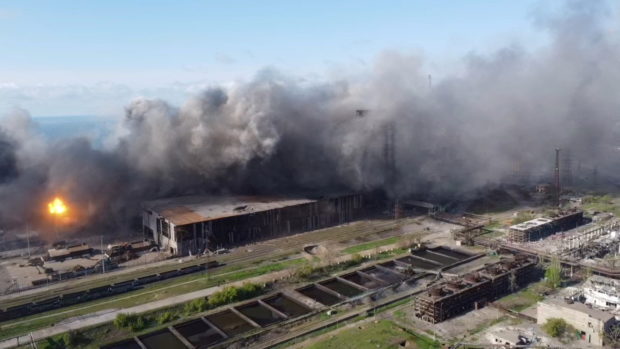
[183, 175]
[442, 278]
[436, 275]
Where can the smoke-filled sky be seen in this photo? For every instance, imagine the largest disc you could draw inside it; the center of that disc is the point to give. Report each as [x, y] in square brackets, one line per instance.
[277, 134]
[66, 58]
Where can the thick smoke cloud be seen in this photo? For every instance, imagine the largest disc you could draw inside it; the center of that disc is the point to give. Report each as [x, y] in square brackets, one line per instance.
[276, 135]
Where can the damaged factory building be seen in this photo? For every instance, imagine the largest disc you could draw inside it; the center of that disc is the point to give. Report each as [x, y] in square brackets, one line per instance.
[540, 228]
[193, 224]
[453, 297]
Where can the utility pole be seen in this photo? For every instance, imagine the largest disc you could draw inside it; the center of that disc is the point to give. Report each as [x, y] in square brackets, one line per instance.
[557, 176]
[28, 238]
[102, 257]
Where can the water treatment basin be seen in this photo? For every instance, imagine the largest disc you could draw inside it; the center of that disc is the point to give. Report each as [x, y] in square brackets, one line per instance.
[319, 295]
[386, 276]
[451, 253]
[359, 279]
[286, 305]
[259, 314]
[161, 339]
[229, 322]
[341, 287]
[126, 344]
[199, 333]
[419, 263]
[430, 255]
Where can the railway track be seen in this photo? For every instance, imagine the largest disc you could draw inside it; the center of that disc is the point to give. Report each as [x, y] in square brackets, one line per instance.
[258, 252]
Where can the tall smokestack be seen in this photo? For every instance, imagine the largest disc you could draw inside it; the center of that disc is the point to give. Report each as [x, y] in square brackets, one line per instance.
[567, 166]
[557, 176]
[389, 148]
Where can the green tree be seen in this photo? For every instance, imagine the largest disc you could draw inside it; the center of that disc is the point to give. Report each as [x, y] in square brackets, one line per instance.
[72, 339]
[356, 259]
[555, 327]
[130, 322]
[553, 274]
[305, 271]
[512, 278]
[196, 305]
[53, 343]
[227, 295]
[137, 324]
[121, 321]
[612, 336]
[165, 317]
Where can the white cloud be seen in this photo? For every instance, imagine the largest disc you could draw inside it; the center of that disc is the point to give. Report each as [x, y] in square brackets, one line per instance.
[7, 13]
[103, 98]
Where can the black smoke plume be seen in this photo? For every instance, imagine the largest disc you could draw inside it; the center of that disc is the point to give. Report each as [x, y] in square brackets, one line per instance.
[276, 135]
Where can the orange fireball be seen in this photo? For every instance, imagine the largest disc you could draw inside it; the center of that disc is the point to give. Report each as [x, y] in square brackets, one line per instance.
[57, 207]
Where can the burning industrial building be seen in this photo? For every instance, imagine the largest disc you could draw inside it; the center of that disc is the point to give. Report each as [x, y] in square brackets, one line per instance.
[195, 224]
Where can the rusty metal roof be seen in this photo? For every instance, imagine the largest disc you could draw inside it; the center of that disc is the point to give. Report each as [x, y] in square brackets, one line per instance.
[195, 209]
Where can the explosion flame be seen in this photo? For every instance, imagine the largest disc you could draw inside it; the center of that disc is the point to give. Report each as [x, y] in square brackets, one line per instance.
[57, 207]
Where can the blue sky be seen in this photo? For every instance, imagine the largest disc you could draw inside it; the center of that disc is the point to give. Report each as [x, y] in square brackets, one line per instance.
[91, 57]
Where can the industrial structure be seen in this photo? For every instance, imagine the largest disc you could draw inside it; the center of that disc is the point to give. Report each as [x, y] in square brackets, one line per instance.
[450, 298]
[192, 224]
[602, 292]
[594, 242]
[540, 228]
[60, 254]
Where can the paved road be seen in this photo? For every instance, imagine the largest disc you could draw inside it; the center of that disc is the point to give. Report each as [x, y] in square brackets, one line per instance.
[109, 315]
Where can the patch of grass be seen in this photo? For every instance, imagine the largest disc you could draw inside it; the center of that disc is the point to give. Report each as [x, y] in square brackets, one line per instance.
[131, 322]
[383, 334]
[523, 216]
[494, 224]
[387, 254]
[392, 305]
[602, 203]
[525, 298]
[370, 245]
[485, 325]
[493, 234]
[308, 272]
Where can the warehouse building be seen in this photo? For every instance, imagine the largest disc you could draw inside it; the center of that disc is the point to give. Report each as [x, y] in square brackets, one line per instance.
[590, 323]
[194, 223]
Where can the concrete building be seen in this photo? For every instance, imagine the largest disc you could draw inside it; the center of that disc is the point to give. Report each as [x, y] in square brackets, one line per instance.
[191, 224]
[540, 228]
[591, 323]
[508, 337]
[602, 292]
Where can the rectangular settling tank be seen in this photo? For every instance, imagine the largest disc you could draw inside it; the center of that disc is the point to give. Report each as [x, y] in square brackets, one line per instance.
[386, 276]
[319, 295]
[451, 253]
[162, 339]
[419, 263]
[359, 279]
[229, 322]
[286, 305]
[259, 314]
[342, 288]
[126, 344]
[198, 333]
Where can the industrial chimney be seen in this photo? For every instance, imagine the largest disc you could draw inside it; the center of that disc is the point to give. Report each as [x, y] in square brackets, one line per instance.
[557, 176]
